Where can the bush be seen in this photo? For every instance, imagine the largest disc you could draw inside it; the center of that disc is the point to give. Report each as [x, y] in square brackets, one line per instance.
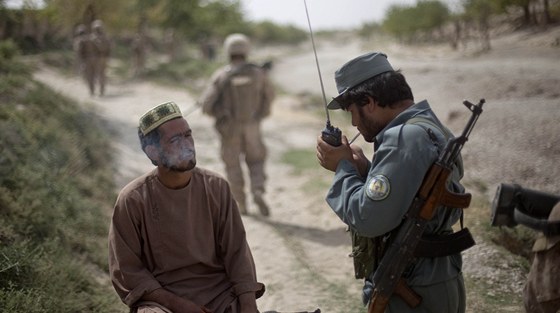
[8, 51]
[56, 186]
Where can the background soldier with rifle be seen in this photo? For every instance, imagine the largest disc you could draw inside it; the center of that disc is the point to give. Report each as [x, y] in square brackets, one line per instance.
[373, 197]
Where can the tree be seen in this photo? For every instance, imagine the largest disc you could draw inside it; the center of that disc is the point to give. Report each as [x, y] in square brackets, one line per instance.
[405, 22]
[525, 5]
[480, 11]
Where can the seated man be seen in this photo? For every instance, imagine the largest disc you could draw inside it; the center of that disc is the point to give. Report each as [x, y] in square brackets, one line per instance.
[176, 241]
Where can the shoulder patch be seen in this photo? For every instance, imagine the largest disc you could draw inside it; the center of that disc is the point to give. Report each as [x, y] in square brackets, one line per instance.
[378, 188]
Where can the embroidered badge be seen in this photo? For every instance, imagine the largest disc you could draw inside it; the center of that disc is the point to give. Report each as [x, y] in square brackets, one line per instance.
[378, 188]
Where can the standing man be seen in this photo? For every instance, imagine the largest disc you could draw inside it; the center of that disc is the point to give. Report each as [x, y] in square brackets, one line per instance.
[139, 51]
[86, 54]
[102, 53]
[239, 98]
[372, 197]
[80, 33]
[176, 241]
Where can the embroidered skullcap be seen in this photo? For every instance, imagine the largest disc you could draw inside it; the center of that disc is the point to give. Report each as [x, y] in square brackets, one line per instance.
[159, 115]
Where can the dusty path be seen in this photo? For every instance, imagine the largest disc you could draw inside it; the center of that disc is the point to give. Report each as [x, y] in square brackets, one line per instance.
[301, 250]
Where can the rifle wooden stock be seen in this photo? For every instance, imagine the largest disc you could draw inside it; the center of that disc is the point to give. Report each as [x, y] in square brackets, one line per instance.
[434, 192]
[379, 303]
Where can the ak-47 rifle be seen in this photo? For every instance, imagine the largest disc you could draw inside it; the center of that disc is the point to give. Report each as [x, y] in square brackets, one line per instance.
[433, 193]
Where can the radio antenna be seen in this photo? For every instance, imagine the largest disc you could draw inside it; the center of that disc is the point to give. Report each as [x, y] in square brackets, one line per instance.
[330, 134]
[317, 62]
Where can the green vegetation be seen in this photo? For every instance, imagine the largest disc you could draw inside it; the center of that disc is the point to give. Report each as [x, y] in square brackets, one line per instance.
[56, 189]
[301, 160]
[304, 162]
[433, 20]
[405, 22]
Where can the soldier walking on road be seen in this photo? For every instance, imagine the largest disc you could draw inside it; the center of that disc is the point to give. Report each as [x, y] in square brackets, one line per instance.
[139, 53]
[85, 54]
[239, 98]
[80, 33]
[102, 53]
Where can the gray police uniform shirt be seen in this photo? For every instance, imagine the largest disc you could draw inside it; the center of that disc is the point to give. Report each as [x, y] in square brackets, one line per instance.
[375, 205]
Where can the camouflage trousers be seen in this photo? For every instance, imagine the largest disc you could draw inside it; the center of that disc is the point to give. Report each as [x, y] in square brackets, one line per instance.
[94, 73]
[243, 142]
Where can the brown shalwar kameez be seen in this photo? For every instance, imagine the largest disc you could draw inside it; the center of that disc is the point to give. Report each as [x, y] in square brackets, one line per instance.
[190, 241]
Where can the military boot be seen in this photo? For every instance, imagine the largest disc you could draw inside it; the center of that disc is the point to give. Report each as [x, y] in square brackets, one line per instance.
[259, 200]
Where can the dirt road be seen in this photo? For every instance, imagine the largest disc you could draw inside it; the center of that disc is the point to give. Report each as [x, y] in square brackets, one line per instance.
[301, 250]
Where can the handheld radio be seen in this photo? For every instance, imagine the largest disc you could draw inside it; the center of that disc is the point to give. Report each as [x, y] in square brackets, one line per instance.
[330, 134]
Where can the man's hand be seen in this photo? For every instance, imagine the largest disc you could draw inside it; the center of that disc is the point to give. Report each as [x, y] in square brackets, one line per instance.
[329, 156]
[360, 160]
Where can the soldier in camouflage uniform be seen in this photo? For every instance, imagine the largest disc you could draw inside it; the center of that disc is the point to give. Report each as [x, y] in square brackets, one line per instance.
[239, 97]
[542, 291]
[85, 51]
[80, 33]
[102, 53]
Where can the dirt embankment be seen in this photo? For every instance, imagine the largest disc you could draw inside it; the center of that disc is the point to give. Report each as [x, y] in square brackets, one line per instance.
[301, 250]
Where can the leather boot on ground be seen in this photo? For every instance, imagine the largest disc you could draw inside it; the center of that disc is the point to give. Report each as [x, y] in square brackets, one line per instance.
[263, 207]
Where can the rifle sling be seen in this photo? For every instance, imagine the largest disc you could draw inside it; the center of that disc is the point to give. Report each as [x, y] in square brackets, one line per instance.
[434, 246]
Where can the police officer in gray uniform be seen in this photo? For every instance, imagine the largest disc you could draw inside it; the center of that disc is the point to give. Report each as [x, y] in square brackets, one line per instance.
[372, 197]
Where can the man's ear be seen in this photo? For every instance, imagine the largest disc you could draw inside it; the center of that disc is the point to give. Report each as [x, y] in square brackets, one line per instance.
[152, 152]
[371, 105]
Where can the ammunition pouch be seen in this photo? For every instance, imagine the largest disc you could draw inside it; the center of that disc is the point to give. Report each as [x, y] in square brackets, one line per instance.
[367, 253]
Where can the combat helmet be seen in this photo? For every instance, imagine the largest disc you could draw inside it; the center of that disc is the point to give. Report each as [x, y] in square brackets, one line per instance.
[237, 44]
[97, 24]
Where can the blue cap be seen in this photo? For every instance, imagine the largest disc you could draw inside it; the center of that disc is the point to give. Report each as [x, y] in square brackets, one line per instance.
[357, 71]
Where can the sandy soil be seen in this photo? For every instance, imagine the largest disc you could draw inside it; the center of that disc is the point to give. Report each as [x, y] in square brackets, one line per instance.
[301, 251]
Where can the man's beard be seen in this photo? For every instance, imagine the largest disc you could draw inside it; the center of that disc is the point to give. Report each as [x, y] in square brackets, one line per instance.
[370, 127]
[174, 163]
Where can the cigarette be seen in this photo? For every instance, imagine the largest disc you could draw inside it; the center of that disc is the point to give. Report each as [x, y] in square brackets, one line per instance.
[354, 139]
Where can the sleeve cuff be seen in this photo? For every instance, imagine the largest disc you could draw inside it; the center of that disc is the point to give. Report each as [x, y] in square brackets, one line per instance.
[136, 294]
[256, 287]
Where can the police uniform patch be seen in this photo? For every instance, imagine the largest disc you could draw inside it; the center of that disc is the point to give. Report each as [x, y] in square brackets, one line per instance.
[378, 188]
